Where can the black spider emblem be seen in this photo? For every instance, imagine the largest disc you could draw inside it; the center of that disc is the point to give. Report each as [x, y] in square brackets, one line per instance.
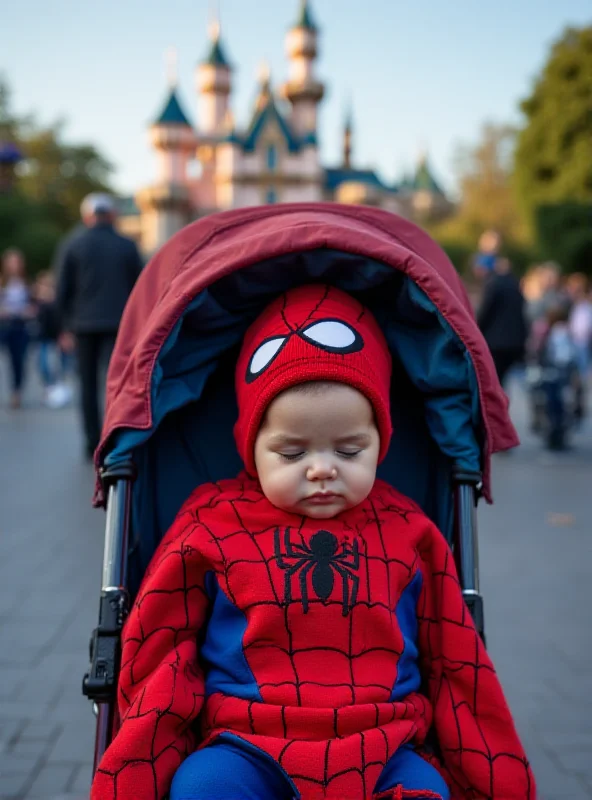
[321, 557]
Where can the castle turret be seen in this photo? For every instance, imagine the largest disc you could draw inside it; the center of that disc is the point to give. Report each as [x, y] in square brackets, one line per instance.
[214, 87]
[166, 204]
[427, 198]
[302, 89]
[173, 138]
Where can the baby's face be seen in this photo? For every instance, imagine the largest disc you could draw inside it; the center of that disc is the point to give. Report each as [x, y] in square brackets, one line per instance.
[317, 450]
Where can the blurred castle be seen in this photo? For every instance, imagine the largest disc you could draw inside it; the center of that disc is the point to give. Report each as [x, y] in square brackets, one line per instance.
[275, 159]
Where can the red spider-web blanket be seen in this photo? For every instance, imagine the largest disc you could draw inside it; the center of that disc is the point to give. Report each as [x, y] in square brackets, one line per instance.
[311, 676]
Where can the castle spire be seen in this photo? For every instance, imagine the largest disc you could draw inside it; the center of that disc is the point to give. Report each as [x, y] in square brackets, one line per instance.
[303, 89]
[305, 19]
[214, 82]
[348, 135]
[172, 67]
[264, 78]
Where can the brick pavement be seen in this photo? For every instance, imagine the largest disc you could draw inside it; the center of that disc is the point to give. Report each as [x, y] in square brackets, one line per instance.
[535, 573]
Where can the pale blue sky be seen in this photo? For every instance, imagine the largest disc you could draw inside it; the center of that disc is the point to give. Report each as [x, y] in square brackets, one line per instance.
[422, 73]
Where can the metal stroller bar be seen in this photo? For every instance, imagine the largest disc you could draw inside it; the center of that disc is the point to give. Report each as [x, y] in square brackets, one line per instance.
[467, 487]
[100, 682]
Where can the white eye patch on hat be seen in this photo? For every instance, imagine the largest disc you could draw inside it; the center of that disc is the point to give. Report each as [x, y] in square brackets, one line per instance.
[330, 335]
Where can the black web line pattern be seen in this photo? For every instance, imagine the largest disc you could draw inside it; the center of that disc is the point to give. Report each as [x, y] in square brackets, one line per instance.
[181, 553]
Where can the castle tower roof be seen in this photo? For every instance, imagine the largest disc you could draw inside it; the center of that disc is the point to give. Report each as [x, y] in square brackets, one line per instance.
[216, 57]
[172, 113]
[305, 19]
[423, 180]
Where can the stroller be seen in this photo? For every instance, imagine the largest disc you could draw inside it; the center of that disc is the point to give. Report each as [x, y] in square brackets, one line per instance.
[171, 405]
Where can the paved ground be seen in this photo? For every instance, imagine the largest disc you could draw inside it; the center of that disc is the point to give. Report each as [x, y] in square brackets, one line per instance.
[536, 548]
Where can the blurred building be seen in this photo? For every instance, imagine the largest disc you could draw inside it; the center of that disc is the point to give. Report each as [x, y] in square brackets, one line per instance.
[275, 158]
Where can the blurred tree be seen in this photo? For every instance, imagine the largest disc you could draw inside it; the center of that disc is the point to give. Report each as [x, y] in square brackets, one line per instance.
[51, 182]
[59, 175]
[485, 177]
[487, 199]
[554, 149]
[564, 233]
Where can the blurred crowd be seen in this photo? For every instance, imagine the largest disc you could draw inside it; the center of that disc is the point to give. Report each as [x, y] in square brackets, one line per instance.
[544, 323]
[28, 315]
[70, 313]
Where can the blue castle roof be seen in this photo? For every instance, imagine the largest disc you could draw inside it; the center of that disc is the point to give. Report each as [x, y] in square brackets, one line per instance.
[172, 113]
[305, 19]
[216, 56]
[266, 114]
[423, 179]
[335, 176]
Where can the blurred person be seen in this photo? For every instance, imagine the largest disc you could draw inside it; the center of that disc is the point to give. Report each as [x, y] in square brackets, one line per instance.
[97, 269]
[580, 319]
[531, 286]
[501, 318]
[560, 382]
[16, 313]
[54, 362]
[488, 248]
[550, 292]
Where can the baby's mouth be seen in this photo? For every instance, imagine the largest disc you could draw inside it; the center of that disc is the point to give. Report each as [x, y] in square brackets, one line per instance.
[321, 498]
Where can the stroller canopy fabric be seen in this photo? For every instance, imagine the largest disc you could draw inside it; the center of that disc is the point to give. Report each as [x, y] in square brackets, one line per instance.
[202, 289]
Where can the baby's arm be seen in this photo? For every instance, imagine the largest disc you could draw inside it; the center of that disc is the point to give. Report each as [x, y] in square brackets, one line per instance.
[480, 747]
[161, 686]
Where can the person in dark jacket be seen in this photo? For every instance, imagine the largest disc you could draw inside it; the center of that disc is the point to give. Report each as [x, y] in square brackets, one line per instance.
[97, 269]
[502, 319]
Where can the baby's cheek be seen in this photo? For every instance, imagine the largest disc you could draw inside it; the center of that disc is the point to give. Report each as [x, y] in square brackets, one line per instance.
[282, 487]
[362, 481]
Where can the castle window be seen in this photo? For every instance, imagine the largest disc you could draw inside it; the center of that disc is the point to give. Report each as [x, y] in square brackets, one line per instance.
[272, 158]
[271, 196]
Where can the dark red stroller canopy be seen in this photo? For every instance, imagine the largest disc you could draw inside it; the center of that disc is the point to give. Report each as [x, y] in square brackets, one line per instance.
[215, 247]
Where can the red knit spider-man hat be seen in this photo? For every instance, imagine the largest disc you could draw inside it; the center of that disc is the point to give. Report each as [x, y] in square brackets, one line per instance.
[312, 333]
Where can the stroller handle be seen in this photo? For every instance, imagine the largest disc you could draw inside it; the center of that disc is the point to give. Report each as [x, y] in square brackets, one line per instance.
[467, 488]
[100, 682]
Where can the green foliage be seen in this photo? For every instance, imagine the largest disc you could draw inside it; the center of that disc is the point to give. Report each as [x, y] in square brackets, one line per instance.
[50, 185]
[458, 252]
[60, 175]
[554, 149]
[487, 202]
[564, 233]
[27, 225]
[485, 177]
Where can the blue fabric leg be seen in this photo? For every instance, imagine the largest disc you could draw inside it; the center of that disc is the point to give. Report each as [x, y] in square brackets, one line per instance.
[45, 367]
[226, 771]
[411, 771]
[16, 340]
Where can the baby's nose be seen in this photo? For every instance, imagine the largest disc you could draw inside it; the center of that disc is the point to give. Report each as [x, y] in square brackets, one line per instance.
[321, 469]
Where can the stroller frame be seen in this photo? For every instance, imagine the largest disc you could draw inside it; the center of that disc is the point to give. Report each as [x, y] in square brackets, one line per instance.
[232, 252]
[100, 682]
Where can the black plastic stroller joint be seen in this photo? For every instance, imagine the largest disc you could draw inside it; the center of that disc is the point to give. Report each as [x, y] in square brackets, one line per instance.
[467, 490]
[126, 470]
[100, 682]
